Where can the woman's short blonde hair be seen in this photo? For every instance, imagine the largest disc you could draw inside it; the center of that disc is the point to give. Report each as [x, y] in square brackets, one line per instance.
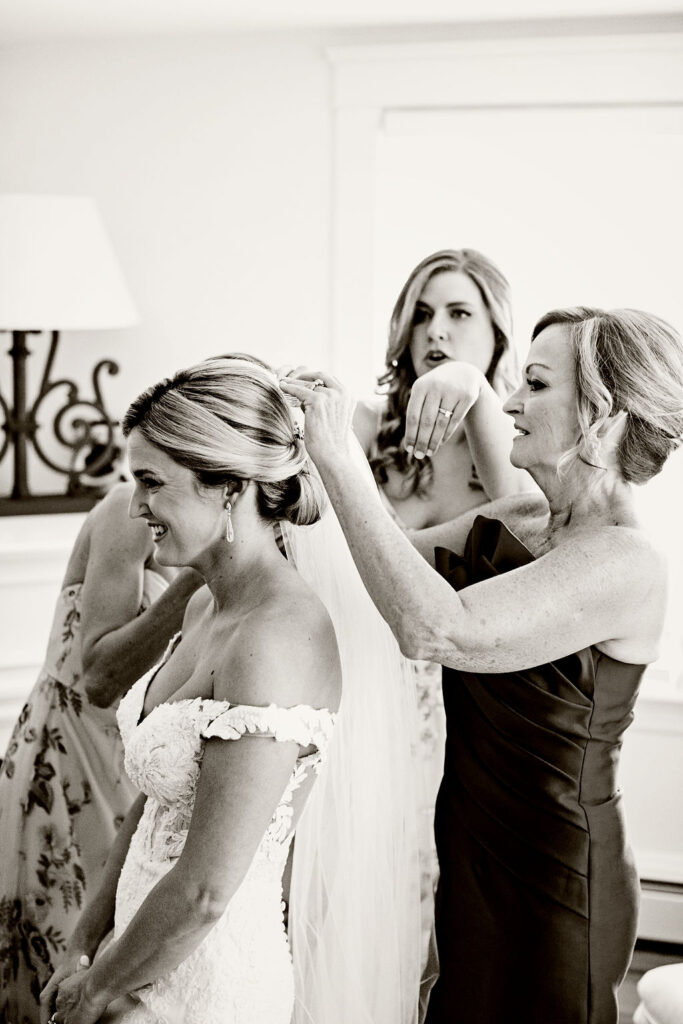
[630, 361]
[226, 419]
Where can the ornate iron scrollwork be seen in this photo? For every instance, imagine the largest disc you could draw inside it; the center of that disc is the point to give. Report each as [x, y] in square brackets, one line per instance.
[83, 430]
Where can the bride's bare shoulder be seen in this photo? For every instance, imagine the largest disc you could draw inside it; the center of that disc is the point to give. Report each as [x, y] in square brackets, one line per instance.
[283, 652]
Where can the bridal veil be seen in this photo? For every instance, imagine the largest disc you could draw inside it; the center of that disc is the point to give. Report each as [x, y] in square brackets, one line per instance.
[354, 917]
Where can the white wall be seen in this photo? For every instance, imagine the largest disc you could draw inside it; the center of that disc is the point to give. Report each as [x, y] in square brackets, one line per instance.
[210, 161]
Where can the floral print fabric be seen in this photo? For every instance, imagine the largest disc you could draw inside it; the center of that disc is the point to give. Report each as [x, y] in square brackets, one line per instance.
[63, 795]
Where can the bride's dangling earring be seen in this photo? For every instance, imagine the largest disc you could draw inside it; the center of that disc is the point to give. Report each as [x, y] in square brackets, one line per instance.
[229, 532]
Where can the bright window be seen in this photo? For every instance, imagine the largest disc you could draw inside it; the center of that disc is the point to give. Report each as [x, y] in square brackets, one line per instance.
[577, 206]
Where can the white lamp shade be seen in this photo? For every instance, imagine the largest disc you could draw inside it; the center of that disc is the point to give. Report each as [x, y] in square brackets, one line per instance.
[58, 270]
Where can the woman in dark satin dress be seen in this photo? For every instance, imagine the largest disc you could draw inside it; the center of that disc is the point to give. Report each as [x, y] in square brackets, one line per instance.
[544, 613]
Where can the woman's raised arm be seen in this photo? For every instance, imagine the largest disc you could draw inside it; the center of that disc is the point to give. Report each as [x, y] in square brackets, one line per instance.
[582, 593]
[462, 390]
[118, 644]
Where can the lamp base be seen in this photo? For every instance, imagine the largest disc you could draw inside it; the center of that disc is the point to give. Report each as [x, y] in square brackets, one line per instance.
[80, 425]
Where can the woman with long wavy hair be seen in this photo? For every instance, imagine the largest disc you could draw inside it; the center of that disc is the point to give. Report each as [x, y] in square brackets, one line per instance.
[451, 328]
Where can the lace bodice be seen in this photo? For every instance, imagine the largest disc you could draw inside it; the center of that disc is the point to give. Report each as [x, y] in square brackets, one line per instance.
[163, 755]
[241, 972]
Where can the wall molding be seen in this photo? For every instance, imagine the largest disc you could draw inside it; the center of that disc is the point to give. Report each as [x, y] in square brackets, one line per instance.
[615, 83]
[369, 83]
[34, 551]
[661, 915]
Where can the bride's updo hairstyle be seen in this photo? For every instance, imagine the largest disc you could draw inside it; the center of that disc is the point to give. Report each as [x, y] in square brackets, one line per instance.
[630, 361]
[226, 419]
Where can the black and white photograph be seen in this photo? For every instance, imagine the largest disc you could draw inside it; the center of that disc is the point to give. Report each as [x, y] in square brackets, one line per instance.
[341, 477]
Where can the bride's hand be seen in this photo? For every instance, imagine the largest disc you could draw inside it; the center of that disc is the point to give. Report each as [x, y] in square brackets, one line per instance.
[75, 1003]
[439, 402]
[328, 411]
[73, 963]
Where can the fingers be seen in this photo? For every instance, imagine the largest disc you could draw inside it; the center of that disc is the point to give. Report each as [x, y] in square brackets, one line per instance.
[310, 388]
[453, 422]
[303, 374]
[413, 416]
[289, 371]
[299, 390]
[430, 420]
[442, 422]
[425, 426]
[47, 999]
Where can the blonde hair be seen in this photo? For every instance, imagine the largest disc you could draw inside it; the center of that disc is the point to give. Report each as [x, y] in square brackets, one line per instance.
[625, 361]
[397, 380]
[226, 419]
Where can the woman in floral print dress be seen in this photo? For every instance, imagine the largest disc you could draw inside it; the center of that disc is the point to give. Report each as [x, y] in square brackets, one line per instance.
[63, 791]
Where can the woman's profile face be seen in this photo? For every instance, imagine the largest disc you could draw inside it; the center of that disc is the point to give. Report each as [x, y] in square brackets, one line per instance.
[544, 407]
[185, 520]
[451, 322]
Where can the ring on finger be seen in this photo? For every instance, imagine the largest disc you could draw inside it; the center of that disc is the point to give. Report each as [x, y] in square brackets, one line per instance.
[444, 412]
[317, 383]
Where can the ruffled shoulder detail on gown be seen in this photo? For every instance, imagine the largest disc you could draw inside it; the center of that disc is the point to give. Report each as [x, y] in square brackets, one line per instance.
[301, 724]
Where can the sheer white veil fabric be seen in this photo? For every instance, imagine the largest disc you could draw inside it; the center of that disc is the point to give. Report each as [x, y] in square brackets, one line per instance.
[354, 915]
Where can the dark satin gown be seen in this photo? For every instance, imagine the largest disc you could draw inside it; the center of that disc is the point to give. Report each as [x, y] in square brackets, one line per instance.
[537, 903]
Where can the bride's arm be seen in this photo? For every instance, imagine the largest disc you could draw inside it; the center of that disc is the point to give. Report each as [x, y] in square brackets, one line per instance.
[240, 785]
[241, 782]
[98, 917]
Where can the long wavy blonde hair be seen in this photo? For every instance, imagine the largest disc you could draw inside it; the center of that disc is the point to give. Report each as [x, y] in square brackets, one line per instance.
[398, 378]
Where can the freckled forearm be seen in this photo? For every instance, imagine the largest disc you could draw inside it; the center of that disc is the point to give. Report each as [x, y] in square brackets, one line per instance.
[406, 590]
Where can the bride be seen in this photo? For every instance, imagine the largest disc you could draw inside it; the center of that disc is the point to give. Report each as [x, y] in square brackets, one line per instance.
[236, 732]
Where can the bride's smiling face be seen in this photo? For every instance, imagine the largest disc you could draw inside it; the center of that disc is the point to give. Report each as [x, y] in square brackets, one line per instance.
[185, 519]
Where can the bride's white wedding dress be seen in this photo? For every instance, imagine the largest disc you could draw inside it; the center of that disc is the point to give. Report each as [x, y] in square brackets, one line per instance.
[241, 973]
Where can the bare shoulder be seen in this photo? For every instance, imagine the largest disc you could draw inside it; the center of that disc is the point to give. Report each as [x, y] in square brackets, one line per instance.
[517, 511]
[521, 513]
[625, 552]
[366, 419]
[284, 652]
[198, 605]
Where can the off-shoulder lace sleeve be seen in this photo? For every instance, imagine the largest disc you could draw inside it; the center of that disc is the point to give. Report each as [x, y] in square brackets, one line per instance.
[301, 724]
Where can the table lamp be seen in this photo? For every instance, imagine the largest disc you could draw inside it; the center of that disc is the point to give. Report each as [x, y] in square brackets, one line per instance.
[57, 272]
